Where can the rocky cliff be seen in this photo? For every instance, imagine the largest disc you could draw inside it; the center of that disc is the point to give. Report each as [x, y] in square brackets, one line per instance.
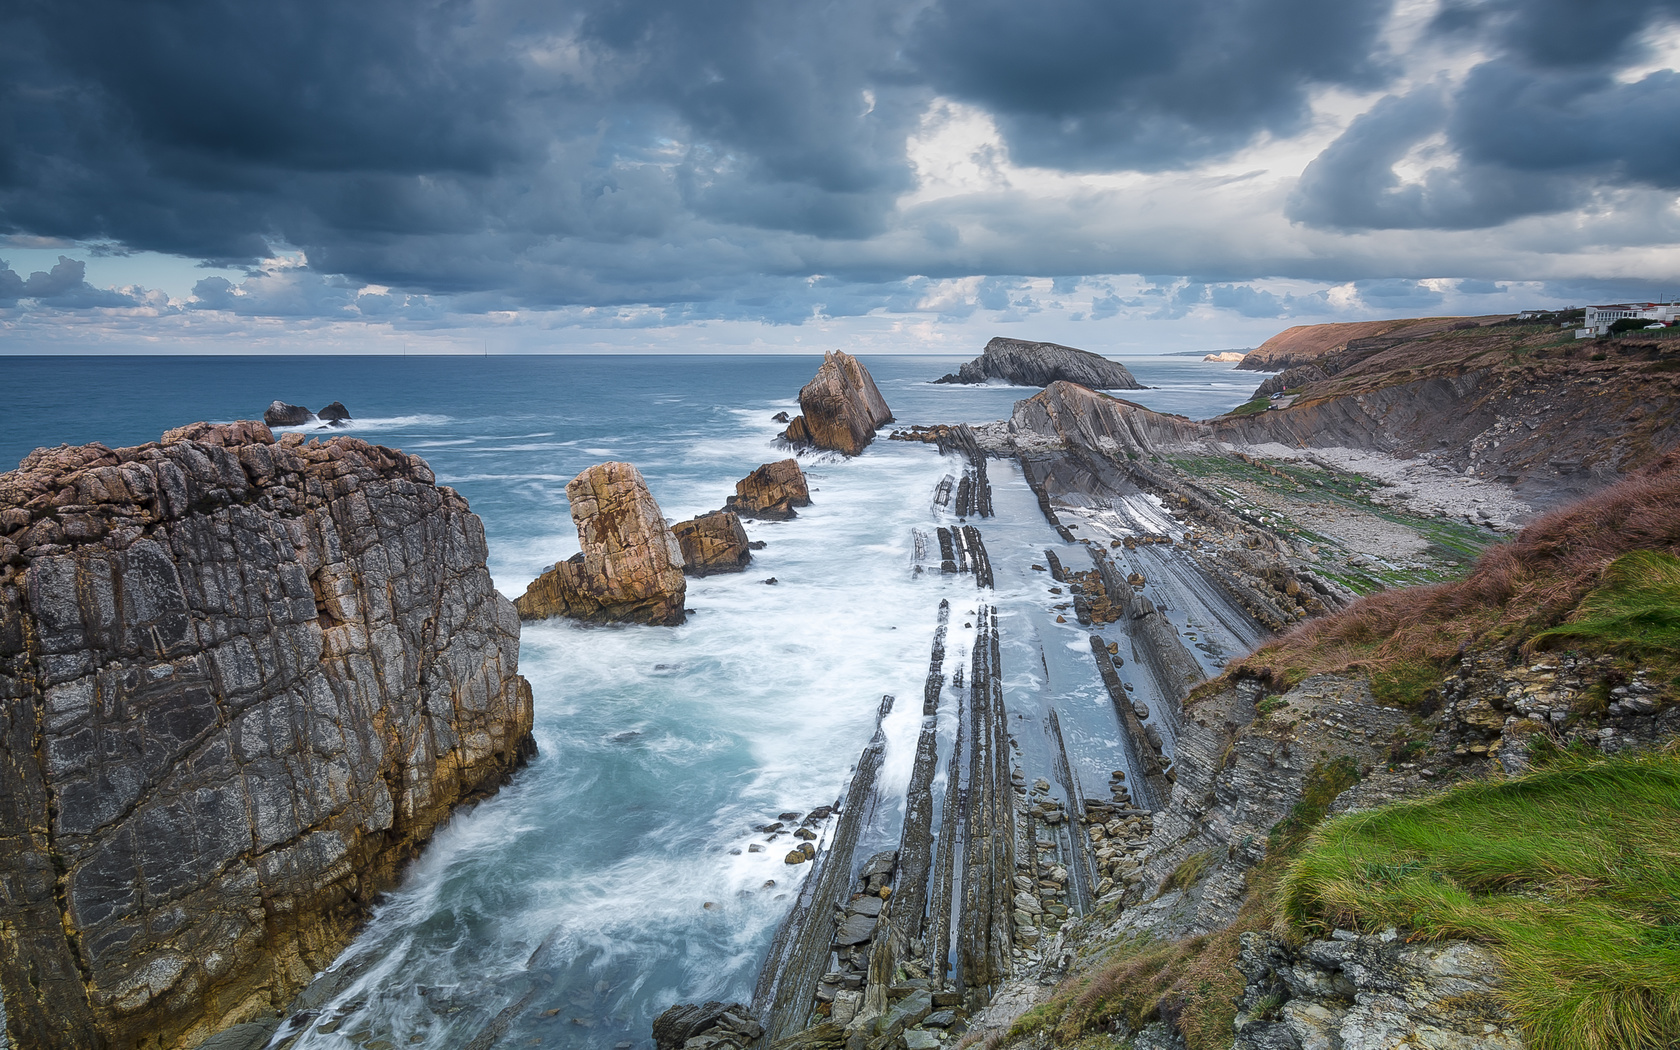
[1306, 343]
[631, 566]
[841, 407]
[242, 681]
[1022, 363]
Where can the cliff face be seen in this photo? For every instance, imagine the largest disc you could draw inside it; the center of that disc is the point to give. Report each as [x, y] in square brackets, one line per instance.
[1024, 363]
[630, 567]
[840, 407]
[1306, 343]
[242, 682]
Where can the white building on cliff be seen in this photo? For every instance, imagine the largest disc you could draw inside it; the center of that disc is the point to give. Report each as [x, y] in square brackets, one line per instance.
[1600, 318]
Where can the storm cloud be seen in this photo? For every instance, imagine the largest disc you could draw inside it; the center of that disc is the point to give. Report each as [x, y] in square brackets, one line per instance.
[764, 160]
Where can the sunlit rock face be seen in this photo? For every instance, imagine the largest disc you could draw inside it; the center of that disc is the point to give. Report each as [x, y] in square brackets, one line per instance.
[772, 492]
[841, 407]
[630, 568]
[243, 681]
[712, 543]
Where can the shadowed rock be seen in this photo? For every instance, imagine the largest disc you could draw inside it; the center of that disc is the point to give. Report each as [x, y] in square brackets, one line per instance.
[335, 415]
[771, 492]
[280, 414]
[630, 568]
[841, 407]
[245, 681]
[712, 543]
[1023, 363]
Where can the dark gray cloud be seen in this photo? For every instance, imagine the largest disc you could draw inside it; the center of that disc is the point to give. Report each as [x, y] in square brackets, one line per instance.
[1541, 126]
[708, 159]
[1086, 84]
[64, 286]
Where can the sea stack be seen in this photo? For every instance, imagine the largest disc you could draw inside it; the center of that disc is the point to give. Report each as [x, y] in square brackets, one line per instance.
[1022, 363]
[841, 407]
[630, 568]
[244, 681]
[712, 543]
[771, 492]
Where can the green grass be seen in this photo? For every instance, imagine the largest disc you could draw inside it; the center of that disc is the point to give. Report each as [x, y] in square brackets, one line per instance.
[1571, 874]
[1634, 612]
[1259, 404]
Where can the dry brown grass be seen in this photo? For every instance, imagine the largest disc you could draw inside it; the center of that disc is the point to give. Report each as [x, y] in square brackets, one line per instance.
[1516, 590]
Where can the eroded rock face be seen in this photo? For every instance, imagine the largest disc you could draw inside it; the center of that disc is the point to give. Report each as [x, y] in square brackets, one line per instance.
[841, 407]
[242, 682]
[630, 568]
[771, 492]
[712, 543]
[1023, 363]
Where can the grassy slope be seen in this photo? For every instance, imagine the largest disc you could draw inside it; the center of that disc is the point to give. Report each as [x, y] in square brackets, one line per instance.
[1557, 585]
[1571, 873]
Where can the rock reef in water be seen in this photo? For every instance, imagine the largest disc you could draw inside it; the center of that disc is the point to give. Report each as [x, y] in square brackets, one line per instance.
[334, 415]
[280, 414]
[1023, 363]
[244, 681]
[630, 568]
[840, 408]
[771, 492]
[712, 543]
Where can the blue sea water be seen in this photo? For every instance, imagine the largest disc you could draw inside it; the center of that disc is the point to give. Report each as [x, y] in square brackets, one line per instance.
[615, 875]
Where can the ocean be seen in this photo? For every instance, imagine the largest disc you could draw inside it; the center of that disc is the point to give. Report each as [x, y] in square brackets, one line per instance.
[615, 875]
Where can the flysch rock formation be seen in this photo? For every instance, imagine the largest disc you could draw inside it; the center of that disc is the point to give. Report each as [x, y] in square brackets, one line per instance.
[630, 568]
[771, 492]
[840, 408]
[712, 543]
[1023, 363]
[1306, 342]
[243, 681]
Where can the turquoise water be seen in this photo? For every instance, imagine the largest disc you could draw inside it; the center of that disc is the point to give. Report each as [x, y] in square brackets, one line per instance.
[615, 875]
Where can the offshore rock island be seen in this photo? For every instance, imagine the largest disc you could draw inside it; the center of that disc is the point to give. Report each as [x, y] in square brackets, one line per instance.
[244, 681]
[1022, 363]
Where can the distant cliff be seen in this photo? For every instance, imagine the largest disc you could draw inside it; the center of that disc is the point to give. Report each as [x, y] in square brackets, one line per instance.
[243, 681]
[1023, 363]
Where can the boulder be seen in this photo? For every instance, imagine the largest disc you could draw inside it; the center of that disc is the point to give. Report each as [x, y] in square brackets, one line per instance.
[713, 542]
[840, 408]
[1022, 363]
[245, 681]
[630, 568]
[280, 414]
[771, 492]
[335, 414]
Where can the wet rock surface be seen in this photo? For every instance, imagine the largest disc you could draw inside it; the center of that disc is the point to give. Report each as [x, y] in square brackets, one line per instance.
[712, 543]
[244, 680]
[631, 566]
[772, 492]
[841, 407]
[1024, 363]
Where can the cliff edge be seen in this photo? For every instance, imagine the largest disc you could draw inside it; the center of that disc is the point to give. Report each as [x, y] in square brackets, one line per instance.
[243, 680]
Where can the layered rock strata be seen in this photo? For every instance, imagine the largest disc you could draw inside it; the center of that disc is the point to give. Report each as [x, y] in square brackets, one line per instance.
[712, 543]
[1023, 363]
[242, 681]
[631, 566]
[841, 407]
[771, 492]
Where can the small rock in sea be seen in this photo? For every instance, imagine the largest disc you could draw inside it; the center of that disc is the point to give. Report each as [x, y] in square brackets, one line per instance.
[736, 852]
[709, 905]
[1061, 619]
[1039, 568]
[779, 417]
[754, 848]
[968, 625]
[756, 545]
[334, 414]
[787, 818]
[771, 580]
[799, 856]
[768, 828]
[805, 833]
[769, 884]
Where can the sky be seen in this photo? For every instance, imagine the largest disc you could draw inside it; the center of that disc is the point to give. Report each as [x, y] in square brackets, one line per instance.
[517, 176]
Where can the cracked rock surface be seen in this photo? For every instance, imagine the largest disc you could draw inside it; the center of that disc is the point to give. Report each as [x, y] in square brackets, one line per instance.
[242, 682]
